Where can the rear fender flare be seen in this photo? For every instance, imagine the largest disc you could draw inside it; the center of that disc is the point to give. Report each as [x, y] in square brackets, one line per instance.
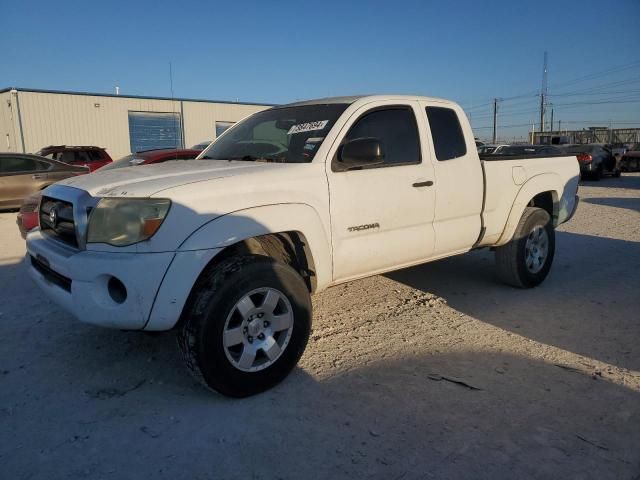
[540, 183]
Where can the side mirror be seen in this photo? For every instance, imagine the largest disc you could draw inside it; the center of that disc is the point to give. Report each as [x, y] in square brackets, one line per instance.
[361, 152]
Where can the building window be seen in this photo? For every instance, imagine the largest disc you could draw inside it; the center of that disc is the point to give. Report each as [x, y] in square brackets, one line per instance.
[151, 130]
[221, 127]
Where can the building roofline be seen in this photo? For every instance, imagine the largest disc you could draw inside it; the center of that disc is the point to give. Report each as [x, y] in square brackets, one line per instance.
[140, 97]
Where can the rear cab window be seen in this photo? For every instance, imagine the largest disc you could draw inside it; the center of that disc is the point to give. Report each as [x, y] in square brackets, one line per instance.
[446, 133]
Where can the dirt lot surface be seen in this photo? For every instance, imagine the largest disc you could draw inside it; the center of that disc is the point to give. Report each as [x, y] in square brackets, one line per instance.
[437, 371]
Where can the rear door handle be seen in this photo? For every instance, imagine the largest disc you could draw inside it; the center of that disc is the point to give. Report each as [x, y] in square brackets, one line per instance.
[427, 183]
[38, 176]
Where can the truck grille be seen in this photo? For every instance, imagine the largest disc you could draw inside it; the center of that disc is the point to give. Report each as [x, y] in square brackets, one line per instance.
[56, 220]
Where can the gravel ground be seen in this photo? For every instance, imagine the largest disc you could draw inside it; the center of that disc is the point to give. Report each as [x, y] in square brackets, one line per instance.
[436, 371]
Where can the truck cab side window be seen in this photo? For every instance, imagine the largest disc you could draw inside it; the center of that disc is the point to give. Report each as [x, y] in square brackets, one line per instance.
[448, 139]
[397, 131]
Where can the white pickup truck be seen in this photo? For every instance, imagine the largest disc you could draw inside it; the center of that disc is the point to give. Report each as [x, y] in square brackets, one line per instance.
[228, 248]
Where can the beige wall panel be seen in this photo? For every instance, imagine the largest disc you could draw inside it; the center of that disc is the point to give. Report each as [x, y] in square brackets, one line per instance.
[67, 119]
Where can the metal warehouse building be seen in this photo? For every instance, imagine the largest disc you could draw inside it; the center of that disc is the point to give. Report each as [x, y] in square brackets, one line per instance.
[32, 119]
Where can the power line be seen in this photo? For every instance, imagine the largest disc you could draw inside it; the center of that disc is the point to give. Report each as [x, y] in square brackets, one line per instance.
[591, 93]
[616, 122]
[599, 74]
[536, 94]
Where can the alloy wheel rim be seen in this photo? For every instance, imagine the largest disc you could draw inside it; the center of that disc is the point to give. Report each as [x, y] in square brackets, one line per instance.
[536, 249]
[258, 329]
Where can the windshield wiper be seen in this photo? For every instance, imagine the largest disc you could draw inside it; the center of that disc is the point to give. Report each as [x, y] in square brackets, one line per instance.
[246, 158]
[253, 158]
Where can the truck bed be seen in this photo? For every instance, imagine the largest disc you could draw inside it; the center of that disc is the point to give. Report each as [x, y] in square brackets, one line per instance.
[492, 157]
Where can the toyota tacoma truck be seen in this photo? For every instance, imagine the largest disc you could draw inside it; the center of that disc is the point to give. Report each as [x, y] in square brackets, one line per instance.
[228, 249]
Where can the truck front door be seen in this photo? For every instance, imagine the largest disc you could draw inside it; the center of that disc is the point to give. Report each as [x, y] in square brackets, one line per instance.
[381, 215]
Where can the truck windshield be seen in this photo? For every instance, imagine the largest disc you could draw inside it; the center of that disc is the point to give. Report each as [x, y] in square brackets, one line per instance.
[285, 134]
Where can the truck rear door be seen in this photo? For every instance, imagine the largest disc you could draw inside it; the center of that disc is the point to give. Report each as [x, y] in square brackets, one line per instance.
[458, 177]
[381, 215]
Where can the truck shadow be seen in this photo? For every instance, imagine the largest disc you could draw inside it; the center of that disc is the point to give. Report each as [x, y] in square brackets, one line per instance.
[389, 419]
[628, 181]
[629, 203]
[575, 309]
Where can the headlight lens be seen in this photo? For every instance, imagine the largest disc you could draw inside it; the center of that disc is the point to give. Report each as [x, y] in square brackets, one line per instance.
[125, 221]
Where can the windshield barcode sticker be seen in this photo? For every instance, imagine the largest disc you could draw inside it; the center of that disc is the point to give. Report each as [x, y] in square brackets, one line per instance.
[308, 127]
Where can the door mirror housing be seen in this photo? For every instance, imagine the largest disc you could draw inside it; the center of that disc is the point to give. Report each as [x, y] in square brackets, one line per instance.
[361, 152]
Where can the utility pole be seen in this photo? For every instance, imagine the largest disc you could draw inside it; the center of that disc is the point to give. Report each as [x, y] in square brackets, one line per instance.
[495, 116]
[560, 126]
[533, 131]
[543, 92]
[551, 116]
[610, 132]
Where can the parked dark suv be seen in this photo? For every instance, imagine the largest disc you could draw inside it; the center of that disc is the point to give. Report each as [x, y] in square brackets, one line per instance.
[595, 160]
[85, 156]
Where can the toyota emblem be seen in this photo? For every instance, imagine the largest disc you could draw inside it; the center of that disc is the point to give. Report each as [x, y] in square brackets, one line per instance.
[53, 217]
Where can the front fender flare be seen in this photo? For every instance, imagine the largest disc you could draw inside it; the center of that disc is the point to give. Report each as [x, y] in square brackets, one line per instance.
[240, 225]
[213, 237]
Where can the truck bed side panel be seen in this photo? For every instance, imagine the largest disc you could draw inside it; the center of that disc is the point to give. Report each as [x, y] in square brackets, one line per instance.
[509, 181]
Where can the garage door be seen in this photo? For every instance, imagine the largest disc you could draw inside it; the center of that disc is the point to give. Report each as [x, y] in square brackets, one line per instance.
[152, 130]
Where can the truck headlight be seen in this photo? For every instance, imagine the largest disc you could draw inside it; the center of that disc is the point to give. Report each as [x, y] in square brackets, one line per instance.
[125, 221]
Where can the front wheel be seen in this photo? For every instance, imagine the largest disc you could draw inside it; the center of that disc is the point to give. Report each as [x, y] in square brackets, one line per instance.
[246, 325]
[525, 261]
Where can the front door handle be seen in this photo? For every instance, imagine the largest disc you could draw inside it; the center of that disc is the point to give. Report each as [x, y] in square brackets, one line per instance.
[38, 176]
[427, 183]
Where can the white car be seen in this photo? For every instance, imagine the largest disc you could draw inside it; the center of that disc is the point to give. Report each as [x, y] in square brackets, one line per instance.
[227, 249]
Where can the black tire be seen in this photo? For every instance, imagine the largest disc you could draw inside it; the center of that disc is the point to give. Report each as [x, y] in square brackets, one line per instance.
[511, 258]
[214, 296]
[598, 174]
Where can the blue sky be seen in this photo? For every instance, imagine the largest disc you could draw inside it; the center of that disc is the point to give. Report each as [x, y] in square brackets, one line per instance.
[275, 52]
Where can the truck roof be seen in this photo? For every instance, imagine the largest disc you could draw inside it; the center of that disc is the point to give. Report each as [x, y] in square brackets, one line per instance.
[355, 98]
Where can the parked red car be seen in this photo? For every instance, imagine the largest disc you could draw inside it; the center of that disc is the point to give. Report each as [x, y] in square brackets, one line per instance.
[152, 156]
[87, 156]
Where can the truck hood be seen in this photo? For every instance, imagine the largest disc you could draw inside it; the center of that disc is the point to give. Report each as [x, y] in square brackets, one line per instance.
[144, 181]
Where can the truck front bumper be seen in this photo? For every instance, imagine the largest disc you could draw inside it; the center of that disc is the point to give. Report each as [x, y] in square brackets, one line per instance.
[115, 290]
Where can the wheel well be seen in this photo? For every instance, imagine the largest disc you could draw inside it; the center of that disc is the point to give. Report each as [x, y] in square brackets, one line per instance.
[290, 248]
[547, 201]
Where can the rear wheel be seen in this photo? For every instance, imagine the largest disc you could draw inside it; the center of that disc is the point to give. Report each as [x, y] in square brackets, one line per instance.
[246, 325]
[525, 261]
